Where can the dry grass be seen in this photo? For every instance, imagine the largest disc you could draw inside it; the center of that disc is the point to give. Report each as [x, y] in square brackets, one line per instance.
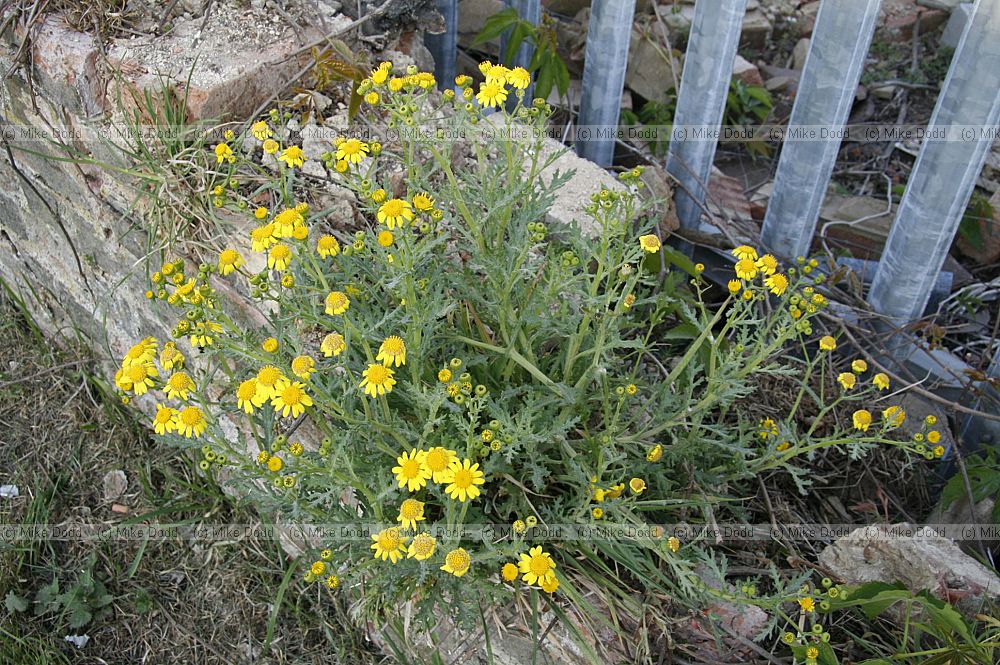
[173, 601]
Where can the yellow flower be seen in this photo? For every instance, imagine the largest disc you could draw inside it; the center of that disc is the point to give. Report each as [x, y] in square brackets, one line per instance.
[812, 653]
[271, 146]
[164, 420]
[385, 238]
[536, 566]
[615, 491]
[293, 156]
[229, 261]
[373, 98]
[262, 237]
[807, 604]
[411, 511]
[380, 74]
[327, 246]
[423, 202]
[377, 380]
[444, 376]
[275, 464]
[270, 345]
[318, 568]
[337, 302]
[491, 94]
[777, 284]
[392, 352]
[550, 584]
[597, 512]
[137, 378]
[880, 381]
[247, 396]
[389, 544]
[279, 257]
[143, 352]
[509, 572]
[223, 153]
[379, 195]
[859, 366]
[412, 473]
[178, 385]
[649, 243]
[286, 221]
[303, 366]
[422, 547]
[745, 253]
[292, 400]
[270, 382]
[260, 130]
[894, 416]
[655, 453]
[352, 150]
[862, 419]
[438, 460]
[745, 269]
[847, 380]
[827, 343]
[637, 485]
[519, 526]
[191, 422]
[930, 420]
[519, 78]
[260, 212]
[395, 212]
[673, 543]
[457, 562]
[170, 357]
[734, 286]
[462, 478]
[938, 451]
[933, 436]
[333, 345]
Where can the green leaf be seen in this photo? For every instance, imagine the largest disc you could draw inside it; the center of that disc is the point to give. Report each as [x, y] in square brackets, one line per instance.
[496, 25]
[546, 79]
[561, 74]
[79, 617]
[15, 603]
[514, 40]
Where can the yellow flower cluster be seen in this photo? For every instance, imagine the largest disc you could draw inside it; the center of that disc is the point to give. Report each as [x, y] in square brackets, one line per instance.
[460, 477]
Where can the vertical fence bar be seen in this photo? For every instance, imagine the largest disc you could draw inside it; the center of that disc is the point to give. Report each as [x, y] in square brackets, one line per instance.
[604, 78]
[444, 46]
[708, 68]
[837, 53]
[968, 111]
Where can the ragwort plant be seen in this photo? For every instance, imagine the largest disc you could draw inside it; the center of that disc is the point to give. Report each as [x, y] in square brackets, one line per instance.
[458, 362]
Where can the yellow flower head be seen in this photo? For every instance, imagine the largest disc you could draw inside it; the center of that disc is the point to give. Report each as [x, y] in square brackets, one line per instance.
[444, 375]
[143, 352]
[807, 604]
[519, 78]
[191, 422]
[164, 422]
[827, 343]
[491, 93]
[862, 419]
[337, 302]
[673, 543]
[423, 202]
[438, 460]
[270, 146]
[509, 572]
[389, 544]
[270, 382]
[279, 257]
[395, 212]
[550, 584]
[229, 261]
[933, 436]
[463, 478]
[381, 73]
[260, 130]
[385, 238]
[847, 380]
[894, 416]
[457, 562]
[745, 253]
[734, 286]
[776, 284]
[422, 547]
[262, 237]
[411, 472]
[411, 511]
[293, 156]
[291, 400]
[392, 352]
[637, 485]
[767, 264]
[303, 366]
[223, 153]
[745, 269]
[880, 381]
[859, 366]
[536, 566]
[377, 380]
[333, 345]
[178, 385]
[655, 453]
[353, 150]
[248, 397]
[327, 246]
[649, 243]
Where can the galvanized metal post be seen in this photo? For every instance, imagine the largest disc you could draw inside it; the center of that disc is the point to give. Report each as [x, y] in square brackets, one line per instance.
[444, 46]
[833, 66]
[604, 78]
[968, 112]
[708, 68]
